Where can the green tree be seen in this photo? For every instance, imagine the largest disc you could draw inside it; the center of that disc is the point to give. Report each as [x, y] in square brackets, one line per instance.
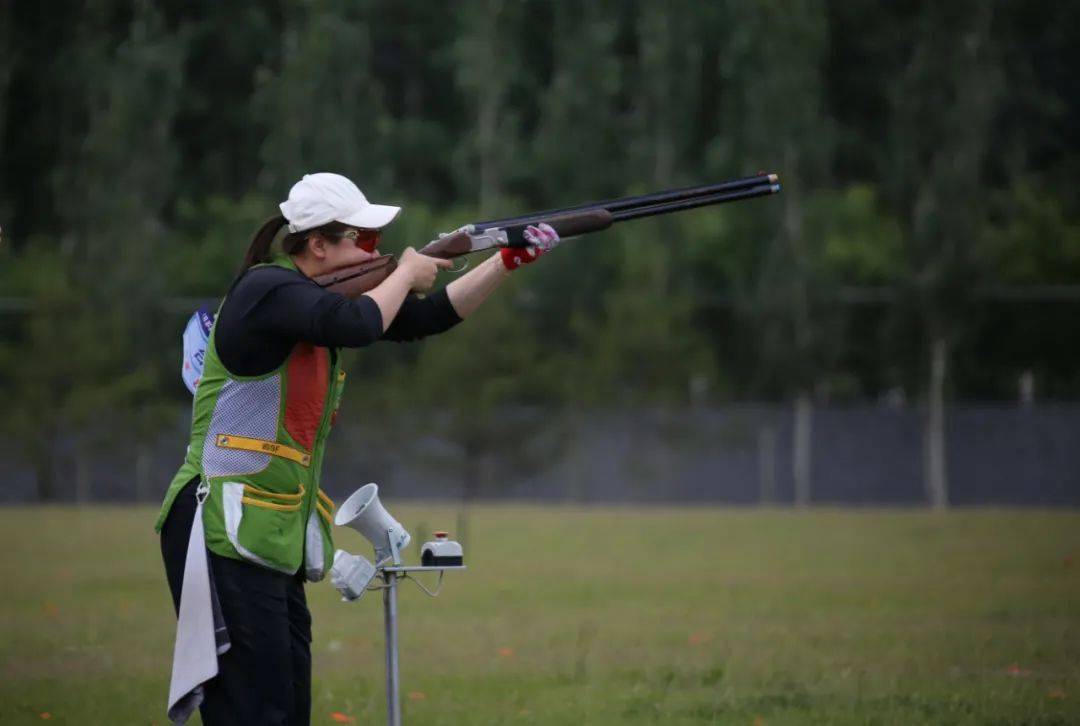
[97, 302]
[489, 74]
[943, 106]
[324, 109]
[775, 61]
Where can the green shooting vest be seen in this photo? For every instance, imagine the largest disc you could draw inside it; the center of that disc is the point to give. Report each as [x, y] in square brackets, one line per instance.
[258, 443]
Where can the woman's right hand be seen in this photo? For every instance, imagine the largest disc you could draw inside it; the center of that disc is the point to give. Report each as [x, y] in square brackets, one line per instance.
[421, 269]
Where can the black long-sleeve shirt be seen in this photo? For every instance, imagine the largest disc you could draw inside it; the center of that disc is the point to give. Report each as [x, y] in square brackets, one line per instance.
[270, 309]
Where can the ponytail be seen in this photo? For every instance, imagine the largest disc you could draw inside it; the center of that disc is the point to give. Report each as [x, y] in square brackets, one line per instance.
[259, 250]
[293, 243]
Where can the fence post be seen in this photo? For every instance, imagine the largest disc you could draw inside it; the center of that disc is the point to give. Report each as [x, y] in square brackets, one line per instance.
[801, 460]
[767, 464]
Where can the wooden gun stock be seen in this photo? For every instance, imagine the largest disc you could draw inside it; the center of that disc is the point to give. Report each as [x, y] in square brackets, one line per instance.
[448, 246]
[355, 280]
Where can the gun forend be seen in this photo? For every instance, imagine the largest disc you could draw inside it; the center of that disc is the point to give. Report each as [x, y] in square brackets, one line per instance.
[470, 239]
[570, 224]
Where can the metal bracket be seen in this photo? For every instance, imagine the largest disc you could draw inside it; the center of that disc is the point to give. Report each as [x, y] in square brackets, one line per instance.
[393, 545]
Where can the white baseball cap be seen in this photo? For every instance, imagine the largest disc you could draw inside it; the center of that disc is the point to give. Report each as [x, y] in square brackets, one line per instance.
[321, 198]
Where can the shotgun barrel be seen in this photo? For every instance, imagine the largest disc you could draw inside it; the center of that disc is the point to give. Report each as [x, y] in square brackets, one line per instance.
[575, 221]
[627, 203]
[679, 205]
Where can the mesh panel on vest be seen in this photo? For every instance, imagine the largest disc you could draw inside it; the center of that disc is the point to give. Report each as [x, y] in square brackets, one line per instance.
[244, 408]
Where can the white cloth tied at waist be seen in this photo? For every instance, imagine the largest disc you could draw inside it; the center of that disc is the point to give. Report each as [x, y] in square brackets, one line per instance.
[201, 635]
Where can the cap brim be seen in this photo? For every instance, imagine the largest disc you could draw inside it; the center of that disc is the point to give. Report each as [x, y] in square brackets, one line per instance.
[373, 216]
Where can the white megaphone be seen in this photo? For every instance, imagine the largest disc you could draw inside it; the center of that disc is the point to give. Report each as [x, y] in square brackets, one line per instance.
[365, 513]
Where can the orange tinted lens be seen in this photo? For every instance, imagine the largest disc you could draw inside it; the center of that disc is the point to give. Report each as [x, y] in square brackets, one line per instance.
[368, 241]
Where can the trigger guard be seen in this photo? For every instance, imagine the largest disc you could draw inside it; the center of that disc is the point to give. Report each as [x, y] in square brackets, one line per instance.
[457, 270]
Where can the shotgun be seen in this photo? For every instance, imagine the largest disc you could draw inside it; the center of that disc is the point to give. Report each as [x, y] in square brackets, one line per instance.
[355, 280]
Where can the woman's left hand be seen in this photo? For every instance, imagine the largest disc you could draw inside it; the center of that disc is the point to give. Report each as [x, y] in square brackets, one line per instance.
[541, 238]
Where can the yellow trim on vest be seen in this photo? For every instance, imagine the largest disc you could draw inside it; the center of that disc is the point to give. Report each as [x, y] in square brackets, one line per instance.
[228, 441]
[256, 491]
[271, 505]
[295, 501]
[327, 500]
[325, 514]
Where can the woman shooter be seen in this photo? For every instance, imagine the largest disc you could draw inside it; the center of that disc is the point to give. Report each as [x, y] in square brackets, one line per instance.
[244, 523]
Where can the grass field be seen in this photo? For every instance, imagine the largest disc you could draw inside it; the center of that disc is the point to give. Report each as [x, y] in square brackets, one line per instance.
[601, 616]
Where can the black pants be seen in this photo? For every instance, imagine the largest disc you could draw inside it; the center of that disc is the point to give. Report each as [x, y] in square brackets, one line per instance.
[264, 678]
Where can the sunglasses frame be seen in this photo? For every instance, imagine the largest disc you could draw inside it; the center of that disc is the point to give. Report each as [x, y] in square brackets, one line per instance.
[365, 239]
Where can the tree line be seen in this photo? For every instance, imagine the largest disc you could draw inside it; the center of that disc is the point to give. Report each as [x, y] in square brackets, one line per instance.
[926, 246]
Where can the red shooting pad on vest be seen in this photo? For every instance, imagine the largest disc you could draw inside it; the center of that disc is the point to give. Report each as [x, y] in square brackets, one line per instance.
[309, 381]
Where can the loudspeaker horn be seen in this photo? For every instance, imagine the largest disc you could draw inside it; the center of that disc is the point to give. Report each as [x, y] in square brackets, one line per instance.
[365, 513]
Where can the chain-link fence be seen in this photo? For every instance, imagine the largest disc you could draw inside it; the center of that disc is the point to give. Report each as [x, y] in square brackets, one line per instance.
[996, 454]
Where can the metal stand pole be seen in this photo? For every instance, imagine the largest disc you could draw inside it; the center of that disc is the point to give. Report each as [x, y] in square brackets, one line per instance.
[393, 700]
